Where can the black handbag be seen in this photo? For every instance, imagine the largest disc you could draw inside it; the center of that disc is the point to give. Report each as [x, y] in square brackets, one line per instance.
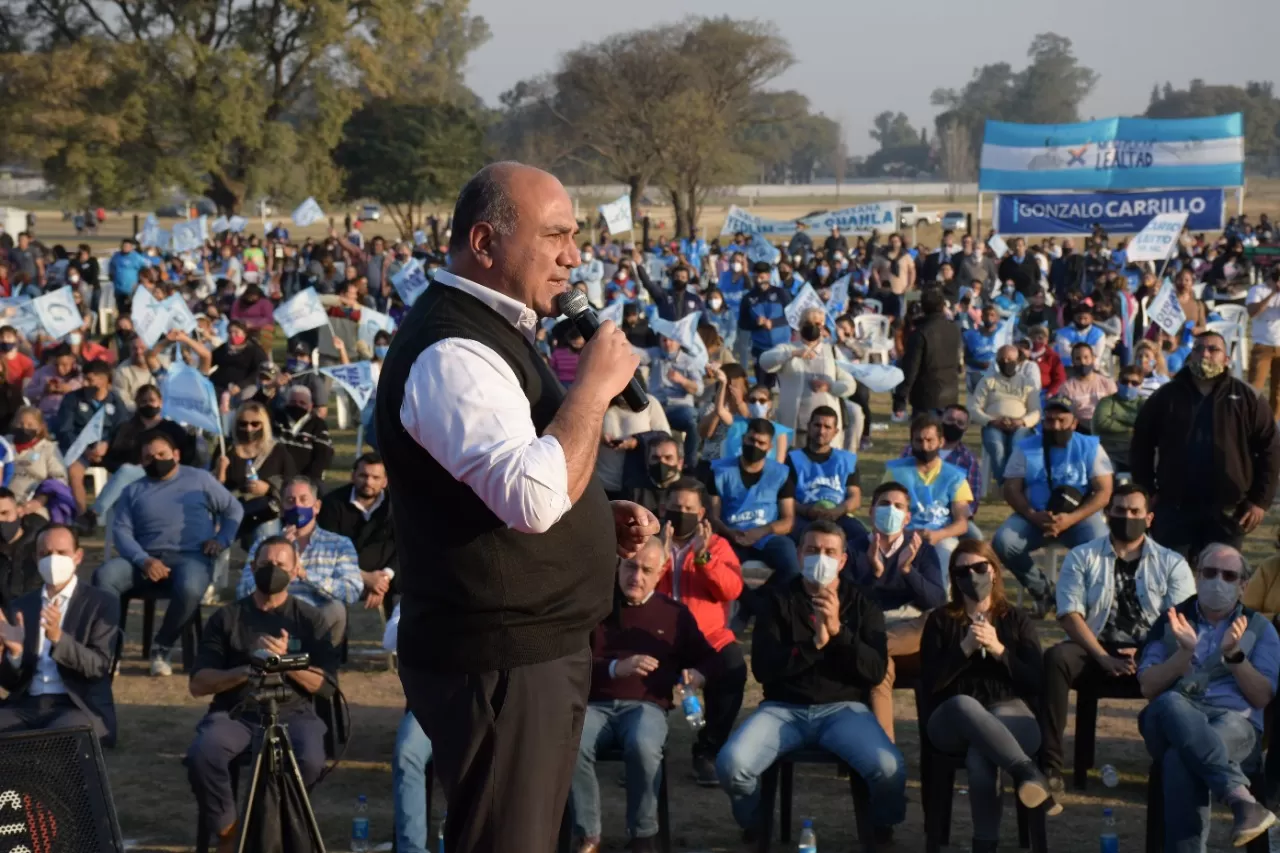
[1062, 499]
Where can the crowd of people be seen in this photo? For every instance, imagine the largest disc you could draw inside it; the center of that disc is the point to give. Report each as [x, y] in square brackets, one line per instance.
[1135, 450]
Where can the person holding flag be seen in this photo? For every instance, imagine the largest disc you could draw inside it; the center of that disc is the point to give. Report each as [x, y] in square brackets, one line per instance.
[75, 414]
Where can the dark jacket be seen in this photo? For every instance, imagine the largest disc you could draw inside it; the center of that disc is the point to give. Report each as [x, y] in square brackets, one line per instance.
[930, 365]
[1246, 449]
[791, 669]
[19, 570]
[84, 654]
[78, 408]
[1025, 275]
[307, 442]
[375, 539]
[946, 671]
[125, 445]
[673, 305]
[922, 586]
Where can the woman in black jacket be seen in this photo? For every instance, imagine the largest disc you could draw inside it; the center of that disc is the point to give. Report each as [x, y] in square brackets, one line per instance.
[982, 671]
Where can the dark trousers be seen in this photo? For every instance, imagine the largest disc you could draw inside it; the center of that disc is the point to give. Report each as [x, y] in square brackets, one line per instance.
[505, 744]
[1066, 665]
[1188, 530]
[34, 713]
[723, 695]
[220, 740]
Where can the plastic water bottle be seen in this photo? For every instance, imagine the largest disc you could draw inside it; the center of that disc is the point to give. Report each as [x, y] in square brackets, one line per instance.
[250, 471]
[808, 839]
[360, 826]
[1110, 777]
[440, 834]
[1108, 841]
[691, 705]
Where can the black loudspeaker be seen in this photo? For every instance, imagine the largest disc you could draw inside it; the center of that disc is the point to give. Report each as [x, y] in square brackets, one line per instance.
[54, 796]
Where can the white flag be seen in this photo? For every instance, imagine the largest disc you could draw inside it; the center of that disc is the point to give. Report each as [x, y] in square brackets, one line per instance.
[410, 281]
[301, 313]
[880, 378]
[372, 322]
[613, 312]
[617, 214]
[356, 378]
[839, 296]
[807, 298]
[1158, 239]
[1166, 312]
[91, 434]
[307, 213]
[187, 236]
[179, 315]
[150, 317]
[189, 398]
[58, 312]
[998, 245]
[236, 224]
[219, 225]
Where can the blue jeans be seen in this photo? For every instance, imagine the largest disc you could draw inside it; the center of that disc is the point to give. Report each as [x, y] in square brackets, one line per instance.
[685, 419]
[997, 445]
[845, 729]
[1017, 539]
[409, 785]
[189, 576]
[1200, 750]
[126, 475]
[943, 549]
[640, 728]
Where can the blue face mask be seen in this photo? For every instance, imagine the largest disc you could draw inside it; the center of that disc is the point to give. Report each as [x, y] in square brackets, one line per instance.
[381, 351]
[1127, 392]
[889, 520]
[299, 516]
[822, 271]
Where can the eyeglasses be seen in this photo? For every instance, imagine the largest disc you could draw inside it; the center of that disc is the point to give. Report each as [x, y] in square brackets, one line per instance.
[979, 568]
[1131, 383]
[1228, 575]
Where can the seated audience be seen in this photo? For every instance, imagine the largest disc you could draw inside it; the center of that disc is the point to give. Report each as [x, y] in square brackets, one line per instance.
[299, 371]
[1007, 408]
[78, 408]
[703, 573]
[255, 471]
[980, 346]
[981, 673]
[1152, 369]
[237, 362]
[1061, 500]
[361, 512]
[1086, 386]
[136, 371]
[827, 484]
[19, 570]
[903, 579]
[675, 380]
[409, 760]
[1110, 592]
[642, 650]
[622, 433]
[58, 376]
[940, 493]
[718, 415]
[59, 642]
[1115, 416]
[271, 619]
[664, 466]
[818, 651]
[304, 434]
[38, 473]
[808, 376]
[1052, 371]
[169, 527]
[1209, 672]
[1081, 331]
[328, 576]
[759, 402]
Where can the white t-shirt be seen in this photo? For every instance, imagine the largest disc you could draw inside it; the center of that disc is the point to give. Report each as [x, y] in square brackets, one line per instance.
[1265, 326]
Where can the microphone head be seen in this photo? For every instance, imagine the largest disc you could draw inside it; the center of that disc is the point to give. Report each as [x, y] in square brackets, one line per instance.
[572, 303]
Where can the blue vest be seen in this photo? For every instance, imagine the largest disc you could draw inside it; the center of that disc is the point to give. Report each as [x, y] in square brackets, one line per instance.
[980, 348]
[1071, 466]
[930, 502]
[746, 509]
[1069, 336]
[825, 482]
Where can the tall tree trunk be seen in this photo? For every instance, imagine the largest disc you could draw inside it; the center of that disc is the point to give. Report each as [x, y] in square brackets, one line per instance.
[681, 214]
[227, 194]
[635, 188]
[694, 210]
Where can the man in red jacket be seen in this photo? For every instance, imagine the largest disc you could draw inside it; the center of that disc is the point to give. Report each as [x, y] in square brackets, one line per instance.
[702, 571]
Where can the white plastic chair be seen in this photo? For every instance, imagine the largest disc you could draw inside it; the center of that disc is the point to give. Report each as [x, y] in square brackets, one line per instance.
[872, 332]
[99, 476]
[1237, 314]
[1233, 334]
[874, 305]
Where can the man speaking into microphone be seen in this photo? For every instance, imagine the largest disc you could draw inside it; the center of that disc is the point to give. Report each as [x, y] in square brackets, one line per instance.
[507, 541]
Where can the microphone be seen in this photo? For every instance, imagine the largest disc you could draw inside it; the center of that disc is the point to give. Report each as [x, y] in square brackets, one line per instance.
[574, 305]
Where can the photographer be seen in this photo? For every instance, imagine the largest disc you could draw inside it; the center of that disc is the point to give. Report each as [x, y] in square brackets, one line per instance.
[268, 619]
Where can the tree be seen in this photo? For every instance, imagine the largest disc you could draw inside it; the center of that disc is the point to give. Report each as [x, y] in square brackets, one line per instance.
[406, 155]
[1258, 103]
[893, 131]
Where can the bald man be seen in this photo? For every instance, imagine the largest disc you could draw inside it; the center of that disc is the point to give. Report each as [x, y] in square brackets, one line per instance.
[508, 542]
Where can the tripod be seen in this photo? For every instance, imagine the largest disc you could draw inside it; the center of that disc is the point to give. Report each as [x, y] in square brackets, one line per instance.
[276, 765]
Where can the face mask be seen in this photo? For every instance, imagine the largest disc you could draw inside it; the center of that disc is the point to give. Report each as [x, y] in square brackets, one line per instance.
[1083, 369]
[299, 516]
[1206, 370]
[73, 279]
[1008, 291]
[889, 519]
[621, 278]
[1126, 529]
[924, 457]
[752, 454]
[270, 579]
[823, 270]
[245, 433]
[56, 569]
[381, 351]
[679, 284]
[810, 332]
[586, 257]
[974, 587]
[1217, 594]
[9, 529]
[295, 365]
[1127, 392]
[296, 412]
[758, 410]
[820, 569]
[1008, 368]
[75, 338]
[22, 435]
[1083, 324]
[660, 472]
[158, 469]
[737, 267]
[236, 338]
[952, 432]
[8, 346]
[148, 411]
[1059, 437]
[714, 303]
[683, 524]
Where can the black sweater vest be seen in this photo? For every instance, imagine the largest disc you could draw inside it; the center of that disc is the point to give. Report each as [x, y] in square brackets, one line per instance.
[477, 595]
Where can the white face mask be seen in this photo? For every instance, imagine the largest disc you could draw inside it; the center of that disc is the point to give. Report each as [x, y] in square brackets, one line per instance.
[737, 267]
[758, 410]
[1217, 595]
[586, 257]
[820, 569]
[56, 569]
[714, 303]
[74, 338]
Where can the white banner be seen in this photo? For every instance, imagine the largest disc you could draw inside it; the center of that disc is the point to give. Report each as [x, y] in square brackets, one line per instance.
[187, 236]
[687, 334]
[189, 398]
[356, 378]
[301, 313]
[861, 219]
[180, 316]
[410, 281]
[1158, 239]
[372, 322]
[91, 434]
[58, 312]
[617, 214]
[150, 318]
[806, 299]
[307, 213]
[998, 245]
[1165, 311]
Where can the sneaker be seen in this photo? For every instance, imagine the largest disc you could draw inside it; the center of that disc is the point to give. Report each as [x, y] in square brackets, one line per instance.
[704, 772]
[160, 663]
[1030, 783]
[1251, 820]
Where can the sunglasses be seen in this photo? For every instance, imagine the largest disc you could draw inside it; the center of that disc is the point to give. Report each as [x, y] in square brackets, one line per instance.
[1228, 575]
[979, 568]
[1131, 384]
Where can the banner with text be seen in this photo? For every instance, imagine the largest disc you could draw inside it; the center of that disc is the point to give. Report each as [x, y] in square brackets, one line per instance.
[1165, 311]
[617, 214]
[356, 379]
[1117, 213]
[1158, 240]
[861, 219]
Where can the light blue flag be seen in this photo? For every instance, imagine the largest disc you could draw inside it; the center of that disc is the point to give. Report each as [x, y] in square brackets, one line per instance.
[301, 313]
[58, 313]
[419, 238]
[356, 379]
[761, 249]
[219, 225]
[410, 281]
[839, 296]
[613, 312]
[187, 236]
[805, 300]
[91, 434]
[150, 317]
[372, 322]
[20, 312]
[880, 378]
[308, 213]
[189, 398]
[180, 316]
[236, 224]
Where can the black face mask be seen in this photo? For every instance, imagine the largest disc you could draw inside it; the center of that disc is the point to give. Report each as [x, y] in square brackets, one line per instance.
[660, 472]
[972, 586]
[810, 331]
[677, 284]
[270, 579]
[683, 524]
[1058, 437]
[296, 412]
[9, 529]
[158, 469]
[247, 434]
[952, 433]
[752, 454]
[21, 435]
[148, 411]
[1126, 529]
[1008, 368]
[924, 457]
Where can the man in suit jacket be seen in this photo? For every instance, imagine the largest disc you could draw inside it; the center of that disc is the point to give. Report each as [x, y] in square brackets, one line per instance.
[58, 644]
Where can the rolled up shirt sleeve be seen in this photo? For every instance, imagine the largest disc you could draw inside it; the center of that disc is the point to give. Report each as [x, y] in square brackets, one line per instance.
[464, 405]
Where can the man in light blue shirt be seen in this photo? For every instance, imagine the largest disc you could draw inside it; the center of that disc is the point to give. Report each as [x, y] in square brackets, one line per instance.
[591, 273]
[124, 266]
[1209, 671]
[675, 381]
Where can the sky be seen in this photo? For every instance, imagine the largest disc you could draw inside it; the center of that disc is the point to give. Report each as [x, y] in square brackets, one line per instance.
[855, 59]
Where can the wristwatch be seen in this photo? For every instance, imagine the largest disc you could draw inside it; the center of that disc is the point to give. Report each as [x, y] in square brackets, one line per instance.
[1234, 658]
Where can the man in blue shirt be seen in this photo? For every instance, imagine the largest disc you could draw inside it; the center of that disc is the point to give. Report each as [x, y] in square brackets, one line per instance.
[1209, 670]
[123, 268]
[591, 273]
[168, 529]
[940, 493]
[675, 381]
[980, 346]
[827, 484]
[763, 316]
[1062, 500]
[1081, 331]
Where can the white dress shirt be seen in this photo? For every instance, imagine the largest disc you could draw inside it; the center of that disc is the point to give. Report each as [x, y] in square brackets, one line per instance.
[47, 679]
[464, 405]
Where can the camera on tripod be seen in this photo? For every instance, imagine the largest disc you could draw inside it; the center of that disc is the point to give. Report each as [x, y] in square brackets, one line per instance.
[269, 663]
